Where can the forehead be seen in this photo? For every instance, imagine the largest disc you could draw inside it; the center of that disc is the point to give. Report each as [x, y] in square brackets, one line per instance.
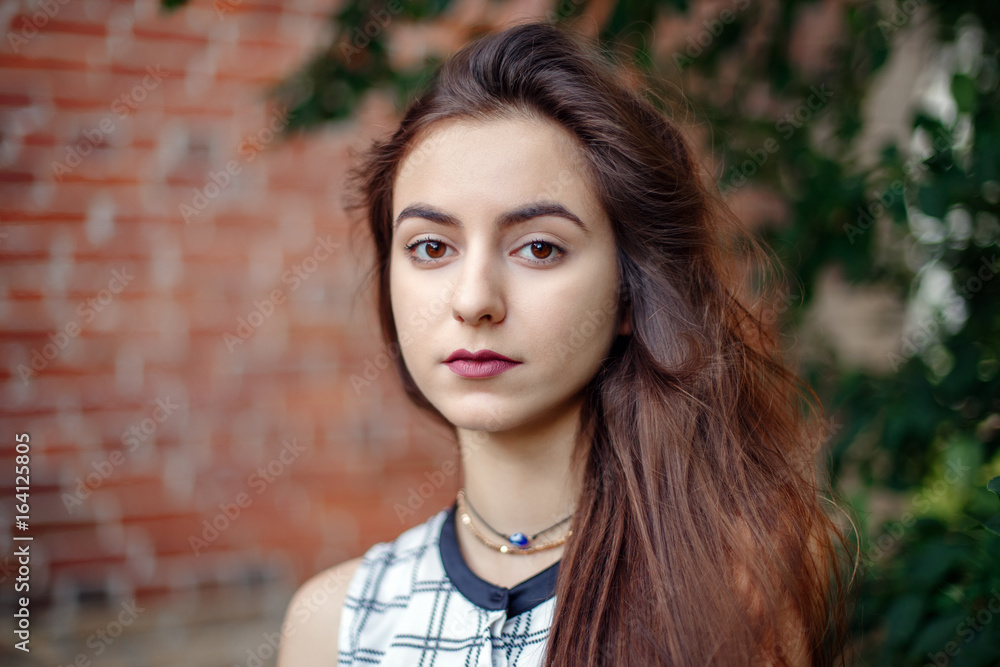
[458, 162]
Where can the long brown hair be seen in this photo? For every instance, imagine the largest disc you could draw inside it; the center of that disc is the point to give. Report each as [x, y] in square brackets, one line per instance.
[701, 536]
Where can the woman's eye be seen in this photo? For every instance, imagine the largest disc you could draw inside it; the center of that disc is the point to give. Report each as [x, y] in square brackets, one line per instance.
[542, 251]
[435, 249]
[539, 251]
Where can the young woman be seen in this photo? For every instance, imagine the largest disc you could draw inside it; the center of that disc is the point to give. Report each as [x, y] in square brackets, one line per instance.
[638, 483]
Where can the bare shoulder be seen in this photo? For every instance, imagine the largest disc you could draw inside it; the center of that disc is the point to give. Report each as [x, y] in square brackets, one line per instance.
[312, 622]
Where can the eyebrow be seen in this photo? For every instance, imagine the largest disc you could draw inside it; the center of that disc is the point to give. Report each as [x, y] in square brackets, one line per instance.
[503, 221]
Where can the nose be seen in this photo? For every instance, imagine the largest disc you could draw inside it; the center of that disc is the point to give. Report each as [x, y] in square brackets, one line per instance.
[479, 291]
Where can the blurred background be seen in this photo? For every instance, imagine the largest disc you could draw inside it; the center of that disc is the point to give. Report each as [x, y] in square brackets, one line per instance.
[211, 417]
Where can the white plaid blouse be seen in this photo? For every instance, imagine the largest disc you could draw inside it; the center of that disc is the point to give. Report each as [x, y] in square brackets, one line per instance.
[414, 602]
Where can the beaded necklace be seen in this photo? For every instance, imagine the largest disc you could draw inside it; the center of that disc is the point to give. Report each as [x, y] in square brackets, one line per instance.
[523, 543]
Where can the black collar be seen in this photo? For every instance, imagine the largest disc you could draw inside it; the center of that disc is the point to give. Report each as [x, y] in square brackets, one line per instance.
[522, 597]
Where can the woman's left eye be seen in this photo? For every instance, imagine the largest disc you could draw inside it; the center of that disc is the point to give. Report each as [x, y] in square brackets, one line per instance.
[547, 248]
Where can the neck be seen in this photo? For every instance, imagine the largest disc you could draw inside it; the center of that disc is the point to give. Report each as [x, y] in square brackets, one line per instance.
[524, 479]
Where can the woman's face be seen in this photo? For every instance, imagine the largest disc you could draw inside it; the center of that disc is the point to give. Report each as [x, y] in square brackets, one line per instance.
[493, 264]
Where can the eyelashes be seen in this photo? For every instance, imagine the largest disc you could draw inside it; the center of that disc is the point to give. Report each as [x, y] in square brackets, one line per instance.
[429, 239]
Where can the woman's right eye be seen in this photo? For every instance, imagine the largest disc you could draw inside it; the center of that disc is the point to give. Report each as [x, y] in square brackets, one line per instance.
[435, 249]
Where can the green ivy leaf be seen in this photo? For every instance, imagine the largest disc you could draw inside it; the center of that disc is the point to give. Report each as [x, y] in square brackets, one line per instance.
[993, 524]
[994, 485]
[936, 633]
[933, 563]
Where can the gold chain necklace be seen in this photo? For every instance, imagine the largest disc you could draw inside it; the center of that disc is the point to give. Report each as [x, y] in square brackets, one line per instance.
[521, 541]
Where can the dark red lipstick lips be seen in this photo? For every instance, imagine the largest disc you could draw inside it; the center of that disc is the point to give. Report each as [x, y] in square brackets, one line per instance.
[481, 364]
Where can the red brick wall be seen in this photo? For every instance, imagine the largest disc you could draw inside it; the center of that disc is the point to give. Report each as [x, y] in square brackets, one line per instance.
[147, 403]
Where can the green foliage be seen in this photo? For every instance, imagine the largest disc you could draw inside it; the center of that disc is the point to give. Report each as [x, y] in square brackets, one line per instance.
[937, 600]
[332, 83]
[921, 435]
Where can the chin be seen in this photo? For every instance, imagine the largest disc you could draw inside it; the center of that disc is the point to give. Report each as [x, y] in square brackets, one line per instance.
[484, 413]
[493, 414]
[485, 410]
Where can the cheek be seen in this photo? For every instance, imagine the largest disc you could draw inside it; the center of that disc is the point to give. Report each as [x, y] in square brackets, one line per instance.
[403, 302]
[397, 296]
[419, 302]
[579, 317]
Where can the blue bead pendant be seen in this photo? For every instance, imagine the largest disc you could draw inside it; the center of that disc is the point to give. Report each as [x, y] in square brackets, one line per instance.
[519, 539]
